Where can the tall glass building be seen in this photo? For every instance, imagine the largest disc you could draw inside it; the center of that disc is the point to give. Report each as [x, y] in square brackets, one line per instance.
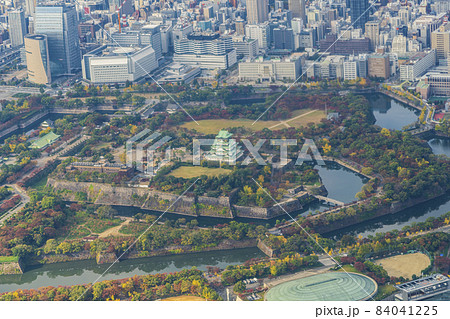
[359, 13]
[60, 24]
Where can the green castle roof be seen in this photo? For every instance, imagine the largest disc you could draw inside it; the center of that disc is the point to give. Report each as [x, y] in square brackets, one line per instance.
[45, 140]
[224, 134]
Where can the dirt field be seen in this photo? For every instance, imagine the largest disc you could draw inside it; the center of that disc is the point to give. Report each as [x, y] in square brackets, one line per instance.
[405, 265]
[184, 298]
[214, 126]
[114, 231]
[196, 171]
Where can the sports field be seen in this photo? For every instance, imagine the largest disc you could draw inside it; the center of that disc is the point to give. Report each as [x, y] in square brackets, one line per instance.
[184, 298]
[405, 265]
[332, 286]
[196, 171]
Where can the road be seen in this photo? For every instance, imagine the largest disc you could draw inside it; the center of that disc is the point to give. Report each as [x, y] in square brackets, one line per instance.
[24, 199]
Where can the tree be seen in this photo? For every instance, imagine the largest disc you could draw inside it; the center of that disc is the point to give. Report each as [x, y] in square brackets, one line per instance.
[239, 287]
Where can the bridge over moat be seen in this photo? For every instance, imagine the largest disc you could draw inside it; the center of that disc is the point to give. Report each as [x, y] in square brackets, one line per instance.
[329, 201]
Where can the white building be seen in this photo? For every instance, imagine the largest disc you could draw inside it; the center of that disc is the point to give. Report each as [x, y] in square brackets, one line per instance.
[399, 44]
[206, 50]
[259, 32]
[245, 47]
[269, 70]
[417, 65]
[118, 65]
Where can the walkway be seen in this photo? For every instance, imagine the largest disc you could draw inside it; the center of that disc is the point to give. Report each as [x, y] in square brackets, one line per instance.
[24, 199]
[285, 123]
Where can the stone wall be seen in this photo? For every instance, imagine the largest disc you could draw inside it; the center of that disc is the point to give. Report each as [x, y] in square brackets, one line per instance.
[10, 268]
[105, 194]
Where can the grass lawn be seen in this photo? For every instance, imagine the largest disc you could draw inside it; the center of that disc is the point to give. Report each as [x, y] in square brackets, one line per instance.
[8, 259]
[314, 117]
[40, 184]
[349, 268]
[214, 126]
[184, 298]
[196, 171]
[384, 291]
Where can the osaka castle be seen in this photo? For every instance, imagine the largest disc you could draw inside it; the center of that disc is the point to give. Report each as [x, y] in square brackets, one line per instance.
[224, 149]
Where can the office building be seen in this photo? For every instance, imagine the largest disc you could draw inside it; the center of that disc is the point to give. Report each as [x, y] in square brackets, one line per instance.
[298, 9]
[379, 66]
[440, 41]
[109, 64]
[417, 65]
[263, 70]
[342, 46]
[359, 12]
[373, 33]
[259, 32]
[30, 7]
[206, 50]
[247, 48]
[257, 11]
[38, 59]
[59, 23]
[283, 38]
[17, 27]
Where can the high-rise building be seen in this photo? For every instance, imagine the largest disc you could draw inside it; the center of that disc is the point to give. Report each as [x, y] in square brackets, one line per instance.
[30, 7]
[379, 66]
[440, 41]
[59, 23]
[38, 59]
[260, 32]
[257, 11]
[359, 11]
[17, 27]
[283, 38]
[373, 33]
[298, 9]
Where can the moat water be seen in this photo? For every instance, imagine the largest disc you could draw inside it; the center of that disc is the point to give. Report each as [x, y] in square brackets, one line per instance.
[87, 271]
[341, 184]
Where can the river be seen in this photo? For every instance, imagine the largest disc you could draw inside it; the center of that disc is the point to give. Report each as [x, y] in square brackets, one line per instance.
[87, 271]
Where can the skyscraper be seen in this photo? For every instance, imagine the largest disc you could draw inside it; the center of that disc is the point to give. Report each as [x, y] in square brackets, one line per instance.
[38, 60]
[373, 33]
[257, 11]
[30, 7]
[359, 11]
[17, 27]
[298, 9]
[59, 23]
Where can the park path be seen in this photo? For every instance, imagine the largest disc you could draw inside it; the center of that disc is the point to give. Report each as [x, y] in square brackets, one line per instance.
[114, 231]
[23, 200]
[285, 123]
